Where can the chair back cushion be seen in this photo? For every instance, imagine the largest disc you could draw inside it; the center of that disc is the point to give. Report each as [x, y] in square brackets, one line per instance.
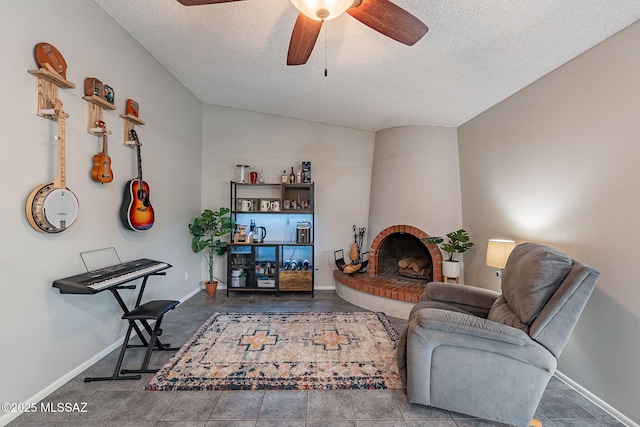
[501, 312]
[531, 276]
[553, 326]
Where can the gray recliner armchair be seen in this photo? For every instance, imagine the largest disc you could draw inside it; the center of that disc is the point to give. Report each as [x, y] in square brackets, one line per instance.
[491, 355]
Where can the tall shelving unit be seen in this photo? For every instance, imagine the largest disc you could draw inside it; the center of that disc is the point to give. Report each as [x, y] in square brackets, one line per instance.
[282, 209]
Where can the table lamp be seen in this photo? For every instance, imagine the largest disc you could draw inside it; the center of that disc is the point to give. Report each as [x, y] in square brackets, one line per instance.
[498, 251]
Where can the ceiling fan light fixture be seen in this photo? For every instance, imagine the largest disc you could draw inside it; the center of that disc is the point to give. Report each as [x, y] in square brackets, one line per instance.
[322, 10]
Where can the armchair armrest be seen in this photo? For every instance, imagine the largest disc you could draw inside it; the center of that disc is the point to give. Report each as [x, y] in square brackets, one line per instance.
[469, 298]
[465, 324]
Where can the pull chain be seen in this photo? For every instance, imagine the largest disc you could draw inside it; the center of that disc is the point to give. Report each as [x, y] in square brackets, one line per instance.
[325, 49]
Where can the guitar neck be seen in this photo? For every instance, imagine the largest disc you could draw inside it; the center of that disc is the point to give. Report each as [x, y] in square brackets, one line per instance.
[61, 180]
[105, 144]
[139, 162]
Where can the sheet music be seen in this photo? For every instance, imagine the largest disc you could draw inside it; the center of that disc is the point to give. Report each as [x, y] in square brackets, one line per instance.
[100, 258]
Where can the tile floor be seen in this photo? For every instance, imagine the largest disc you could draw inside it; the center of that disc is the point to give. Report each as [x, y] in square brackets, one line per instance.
[124, 403]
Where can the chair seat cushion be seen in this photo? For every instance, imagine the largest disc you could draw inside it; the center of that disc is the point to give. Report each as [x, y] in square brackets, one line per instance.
[531, 276]
[151, 310]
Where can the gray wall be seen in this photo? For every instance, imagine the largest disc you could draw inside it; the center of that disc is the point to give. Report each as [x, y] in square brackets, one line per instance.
[416, 180]
[341, 160]
[557, 163]
[46, 337]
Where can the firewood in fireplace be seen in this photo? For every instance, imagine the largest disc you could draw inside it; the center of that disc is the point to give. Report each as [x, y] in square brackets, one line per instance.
[404, 262]
[422, 273]
[419, 264]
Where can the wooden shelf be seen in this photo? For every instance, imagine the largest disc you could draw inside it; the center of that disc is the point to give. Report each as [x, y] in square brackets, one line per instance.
[102, 103]
[54, 78]
[268, 243]
[133, 119]
[95, 105]
[47, 84]
[127, 125]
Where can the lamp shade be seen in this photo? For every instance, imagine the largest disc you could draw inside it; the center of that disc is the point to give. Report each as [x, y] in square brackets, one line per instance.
[322, 9]
[498, 252]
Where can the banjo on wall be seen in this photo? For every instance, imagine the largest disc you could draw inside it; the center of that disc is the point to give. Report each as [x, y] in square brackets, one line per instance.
[52, 207]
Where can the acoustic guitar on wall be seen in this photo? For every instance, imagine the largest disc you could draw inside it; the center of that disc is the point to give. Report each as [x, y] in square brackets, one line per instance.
[136, 211]
[101, 171]
[52, 207]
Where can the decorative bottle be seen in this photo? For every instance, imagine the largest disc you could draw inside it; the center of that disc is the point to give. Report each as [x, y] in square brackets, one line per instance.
[292, 176]
[284, 179]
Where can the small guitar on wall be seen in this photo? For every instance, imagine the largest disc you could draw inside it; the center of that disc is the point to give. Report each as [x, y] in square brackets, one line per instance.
[101, 171]
[52, 207]
[136, 211]
[50, 58]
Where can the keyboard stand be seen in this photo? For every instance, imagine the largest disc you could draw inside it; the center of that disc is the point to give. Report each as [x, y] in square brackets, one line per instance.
[153, 333]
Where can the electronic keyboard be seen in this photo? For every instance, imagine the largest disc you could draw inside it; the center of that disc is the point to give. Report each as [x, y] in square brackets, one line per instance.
[106, 278]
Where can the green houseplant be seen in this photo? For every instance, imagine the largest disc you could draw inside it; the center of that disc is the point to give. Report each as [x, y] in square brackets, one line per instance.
[458, 242]
[207, 231]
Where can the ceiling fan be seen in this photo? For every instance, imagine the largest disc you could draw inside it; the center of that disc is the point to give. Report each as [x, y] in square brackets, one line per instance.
[382, 15]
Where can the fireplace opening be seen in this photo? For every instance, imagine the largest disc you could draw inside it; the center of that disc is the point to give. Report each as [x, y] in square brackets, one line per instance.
[403, 255]
[402, 242]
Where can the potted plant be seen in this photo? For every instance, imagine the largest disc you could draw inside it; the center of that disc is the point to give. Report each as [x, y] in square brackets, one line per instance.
[207, 230]
[457, 243]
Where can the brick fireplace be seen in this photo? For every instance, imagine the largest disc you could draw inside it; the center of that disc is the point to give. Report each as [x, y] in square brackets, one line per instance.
[378, 281]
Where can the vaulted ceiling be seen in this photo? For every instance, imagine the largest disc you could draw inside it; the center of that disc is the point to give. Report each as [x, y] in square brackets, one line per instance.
[476, 53]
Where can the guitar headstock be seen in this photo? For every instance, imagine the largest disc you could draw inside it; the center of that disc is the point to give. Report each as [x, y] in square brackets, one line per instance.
[57, 108]
[103, 126]
[133, 136]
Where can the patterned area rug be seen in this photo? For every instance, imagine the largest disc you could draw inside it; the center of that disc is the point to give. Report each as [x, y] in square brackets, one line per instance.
[285, 351]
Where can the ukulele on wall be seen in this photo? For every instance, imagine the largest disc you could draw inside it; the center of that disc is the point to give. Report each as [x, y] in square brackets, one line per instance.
[52, 207]
[136, 211]
[50, 58]
[101, 171]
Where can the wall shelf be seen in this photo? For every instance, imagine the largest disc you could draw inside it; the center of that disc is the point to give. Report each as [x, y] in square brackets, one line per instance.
[95, 105]
[47, 84]
[53, 78]
[128, 123]
[275, 272]
[96, 100]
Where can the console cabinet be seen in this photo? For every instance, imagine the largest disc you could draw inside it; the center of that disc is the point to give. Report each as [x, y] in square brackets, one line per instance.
[284, 259]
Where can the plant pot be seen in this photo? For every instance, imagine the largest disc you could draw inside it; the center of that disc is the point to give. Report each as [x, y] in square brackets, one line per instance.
[451, 269]
[211, 288]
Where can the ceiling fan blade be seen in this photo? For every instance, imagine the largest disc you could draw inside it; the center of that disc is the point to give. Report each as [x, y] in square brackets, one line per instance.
[389, 19]
[303, 39]
[199, 2]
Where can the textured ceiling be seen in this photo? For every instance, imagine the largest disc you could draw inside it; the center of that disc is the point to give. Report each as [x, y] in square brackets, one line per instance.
[476, 53]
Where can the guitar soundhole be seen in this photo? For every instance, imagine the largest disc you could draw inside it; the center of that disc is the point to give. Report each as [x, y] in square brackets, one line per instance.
[143, 197]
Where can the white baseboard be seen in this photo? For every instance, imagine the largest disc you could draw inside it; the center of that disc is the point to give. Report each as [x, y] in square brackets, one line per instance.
[597, 401]
[8, 417]
[62, 381]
